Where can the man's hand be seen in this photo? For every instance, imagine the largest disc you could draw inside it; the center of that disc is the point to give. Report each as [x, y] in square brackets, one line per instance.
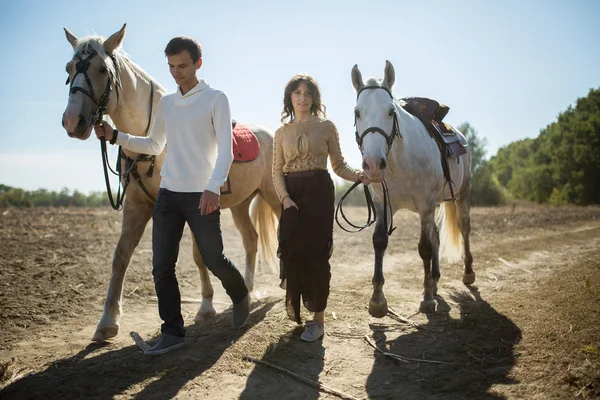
[104, 130]
[288, 202]
[209, 202]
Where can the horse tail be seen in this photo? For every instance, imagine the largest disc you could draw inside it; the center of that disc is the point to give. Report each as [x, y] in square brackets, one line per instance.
[263, 219]
[450, 237]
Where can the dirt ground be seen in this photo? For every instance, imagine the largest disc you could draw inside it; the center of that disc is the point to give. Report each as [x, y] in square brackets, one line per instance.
[529, 328]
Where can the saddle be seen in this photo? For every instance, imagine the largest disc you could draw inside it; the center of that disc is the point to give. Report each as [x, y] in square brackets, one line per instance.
[451, 144]
[245, 143]
[245, 148]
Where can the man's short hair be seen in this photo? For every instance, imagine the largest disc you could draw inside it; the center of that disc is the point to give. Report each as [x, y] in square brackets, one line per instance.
[181, 43]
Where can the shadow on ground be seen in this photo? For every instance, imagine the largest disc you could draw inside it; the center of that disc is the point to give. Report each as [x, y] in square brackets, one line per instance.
[111, 374]
[477, 350]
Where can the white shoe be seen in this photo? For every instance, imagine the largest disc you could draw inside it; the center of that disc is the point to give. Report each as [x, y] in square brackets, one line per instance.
[314, 331]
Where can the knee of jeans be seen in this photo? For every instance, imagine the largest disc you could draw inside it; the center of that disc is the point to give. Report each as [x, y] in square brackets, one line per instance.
[214, 261]
[161, 273]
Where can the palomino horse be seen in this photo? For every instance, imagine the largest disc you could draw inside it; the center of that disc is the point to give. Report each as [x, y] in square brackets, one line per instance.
[98, 70]
[398, 150]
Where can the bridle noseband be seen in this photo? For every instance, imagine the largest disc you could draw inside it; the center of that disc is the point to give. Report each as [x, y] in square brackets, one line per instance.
[388, 138]
[81, 68]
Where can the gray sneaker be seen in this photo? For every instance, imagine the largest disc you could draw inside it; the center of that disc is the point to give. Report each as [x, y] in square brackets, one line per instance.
[314, 331]
[165, 344]
[240, 312]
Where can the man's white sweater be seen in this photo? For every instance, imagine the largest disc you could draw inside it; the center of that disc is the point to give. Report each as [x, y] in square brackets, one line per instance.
[197, 128]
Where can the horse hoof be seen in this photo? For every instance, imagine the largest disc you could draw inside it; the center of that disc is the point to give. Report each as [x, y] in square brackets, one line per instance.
[105, 332]
[202, 316]
[427, 306]
[378, 310]
[469, 279]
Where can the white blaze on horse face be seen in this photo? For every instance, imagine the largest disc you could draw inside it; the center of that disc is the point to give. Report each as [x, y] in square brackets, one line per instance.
[374, 106]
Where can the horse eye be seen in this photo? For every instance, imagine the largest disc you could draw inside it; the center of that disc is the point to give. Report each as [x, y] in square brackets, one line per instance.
[357, 113]
[103, 70]
[391, 113]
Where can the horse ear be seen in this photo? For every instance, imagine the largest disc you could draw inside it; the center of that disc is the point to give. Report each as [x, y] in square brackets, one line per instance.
[71, 38]
[115, 40]
[389, 76]
[357, 80]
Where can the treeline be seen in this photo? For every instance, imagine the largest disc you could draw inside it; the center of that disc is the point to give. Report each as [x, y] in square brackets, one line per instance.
[561, 165]
[15, 197]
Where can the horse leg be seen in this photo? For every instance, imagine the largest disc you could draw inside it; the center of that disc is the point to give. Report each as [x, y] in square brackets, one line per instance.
[242, 221]
[206, 310]
[464, 225]
[378, 304]
[135, 218]
[429, 246]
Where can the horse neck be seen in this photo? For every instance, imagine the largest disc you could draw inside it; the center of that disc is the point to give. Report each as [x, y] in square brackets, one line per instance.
[415, 140]
[132, 112]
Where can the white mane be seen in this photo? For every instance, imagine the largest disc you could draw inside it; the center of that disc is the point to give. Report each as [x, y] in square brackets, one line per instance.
[95, 44]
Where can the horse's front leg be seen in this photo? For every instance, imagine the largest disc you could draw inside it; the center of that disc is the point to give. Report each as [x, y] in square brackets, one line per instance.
[135, 218]
[206, 310]
[378, 304]
[429, 246]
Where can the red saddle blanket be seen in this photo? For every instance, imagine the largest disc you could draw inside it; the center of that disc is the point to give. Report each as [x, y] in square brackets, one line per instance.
[245, 144]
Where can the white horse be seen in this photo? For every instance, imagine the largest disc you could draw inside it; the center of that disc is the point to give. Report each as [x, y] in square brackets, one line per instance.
[408, 159]
[101, 76]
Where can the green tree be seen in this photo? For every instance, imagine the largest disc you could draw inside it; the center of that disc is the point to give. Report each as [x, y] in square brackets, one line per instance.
[561, 165]
[485, 189]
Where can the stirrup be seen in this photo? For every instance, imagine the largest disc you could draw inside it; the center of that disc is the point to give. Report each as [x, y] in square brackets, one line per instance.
[452, 198]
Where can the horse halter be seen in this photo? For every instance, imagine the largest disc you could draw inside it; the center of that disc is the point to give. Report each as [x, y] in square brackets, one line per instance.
[81, 68]
[388, 138]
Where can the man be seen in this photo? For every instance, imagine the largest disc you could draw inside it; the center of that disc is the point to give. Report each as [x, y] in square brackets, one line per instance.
[196, 123]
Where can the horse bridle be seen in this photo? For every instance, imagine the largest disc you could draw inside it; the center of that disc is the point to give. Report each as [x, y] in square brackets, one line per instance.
[81, 68]
[395, 129]
[372, 217]
[131, 164]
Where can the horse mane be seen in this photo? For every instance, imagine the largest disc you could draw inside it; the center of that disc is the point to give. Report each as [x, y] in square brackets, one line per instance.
[374, 82]
[399, 103]
[114, 61]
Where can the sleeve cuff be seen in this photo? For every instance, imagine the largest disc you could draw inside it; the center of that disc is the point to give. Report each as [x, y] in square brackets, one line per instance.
[214, 187]
[120, 138]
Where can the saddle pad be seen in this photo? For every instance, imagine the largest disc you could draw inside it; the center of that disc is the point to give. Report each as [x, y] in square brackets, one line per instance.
[245, 144]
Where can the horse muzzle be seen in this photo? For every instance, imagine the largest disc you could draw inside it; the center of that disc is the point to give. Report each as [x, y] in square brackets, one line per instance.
[77, 127]
[374, 168]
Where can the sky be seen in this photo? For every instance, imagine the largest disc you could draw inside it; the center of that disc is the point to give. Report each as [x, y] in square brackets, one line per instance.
[507, 67]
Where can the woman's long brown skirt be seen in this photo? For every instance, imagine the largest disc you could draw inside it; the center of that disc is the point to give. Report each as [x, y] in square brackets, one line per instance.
[306, 242]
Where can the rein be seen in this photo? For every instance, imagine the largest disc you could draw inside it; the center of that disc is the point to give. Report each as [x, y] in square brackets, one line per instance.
[372, 217]
[130, 166]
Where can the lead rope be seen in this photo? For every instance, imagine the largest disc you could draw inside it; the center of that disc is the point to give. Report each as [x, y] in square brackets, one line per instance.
[118, 205]
[372, 213]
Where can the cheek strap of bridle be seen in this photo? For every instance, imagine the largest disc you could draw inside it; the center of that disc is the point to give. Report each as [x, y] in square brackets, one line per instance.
[81, 68]
[388, 138]
[395, 127]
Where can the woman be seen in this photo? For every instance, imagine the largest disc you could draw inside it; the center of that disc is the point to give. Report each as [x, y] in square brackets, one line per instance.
[306, 190]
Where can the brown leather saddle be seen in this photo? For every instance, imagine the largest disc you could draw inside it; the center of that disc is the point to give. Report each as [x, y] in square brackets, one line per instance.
[451, 144]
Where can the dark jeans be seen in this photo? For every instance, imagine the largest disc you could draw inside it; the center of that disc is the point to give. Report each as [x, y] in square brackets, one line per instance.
[171, 212]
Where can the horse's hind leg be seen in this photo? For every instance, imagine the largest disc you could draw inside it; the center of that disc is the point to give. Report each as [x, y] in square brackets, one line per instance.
[464, 225]
[429, 246]
[206, 310]
[135, 218]
[242, 221]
